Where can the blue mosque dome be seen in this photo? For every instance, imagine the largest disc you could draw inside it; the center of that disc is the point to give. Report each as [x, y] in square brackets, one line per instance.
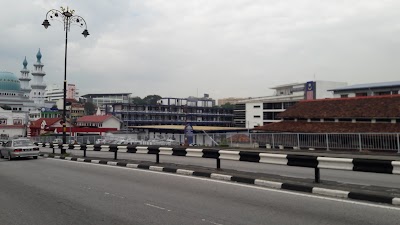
[9, 82]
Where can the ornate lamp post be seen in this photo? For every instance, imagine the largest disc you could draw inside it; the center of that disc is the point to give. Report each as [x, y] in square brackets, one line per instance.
[67, 16]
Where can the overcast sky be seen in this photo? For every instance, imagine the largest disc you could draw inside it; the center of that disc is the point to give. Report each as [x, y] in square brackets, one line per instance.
[227, 48]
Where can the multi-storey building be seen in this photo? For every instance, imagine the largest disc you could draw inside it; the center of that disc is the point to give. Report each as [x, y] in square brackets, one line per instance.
[254, 112]
[56, 92]
[101, 99]
[72, 92]
[370, 89]
[173, 111]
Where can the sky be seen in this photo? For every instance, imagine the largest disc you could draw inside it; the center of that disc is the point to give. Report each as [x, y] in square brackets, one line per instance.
[226, 48]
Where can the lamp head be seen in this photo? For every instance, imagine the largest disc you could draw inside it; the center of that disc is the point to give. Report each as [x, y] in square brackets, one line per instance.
[46, 23]
[85, 33]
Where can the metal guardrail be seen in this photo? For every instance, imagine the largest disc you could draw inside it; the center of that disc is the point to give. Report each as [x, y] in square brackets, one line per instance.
[316, 162]
[323, 141]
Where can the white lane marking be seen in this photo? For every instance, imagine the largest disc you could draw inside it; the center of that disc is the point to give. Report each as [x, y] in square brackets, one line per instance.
[157, 207]
[244, 185]
[211, 222]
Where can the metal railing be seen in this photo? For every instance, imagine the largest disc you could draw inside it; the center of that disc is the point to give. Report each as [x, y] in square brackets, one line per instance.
[321, 141]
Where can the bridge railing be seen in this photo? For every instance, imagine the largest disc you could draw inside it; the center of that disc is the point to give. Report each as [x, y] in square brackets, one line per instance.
[309, 141]
[315, 162]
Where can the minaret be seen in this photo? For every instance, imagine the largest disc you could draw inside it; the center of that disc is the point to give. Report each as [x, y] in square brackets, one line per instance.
[24, 80]
[38, 86]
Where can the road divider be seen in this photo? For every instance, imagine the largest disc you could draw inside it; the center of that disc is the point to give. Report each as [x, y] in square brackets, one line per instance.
[316, 162]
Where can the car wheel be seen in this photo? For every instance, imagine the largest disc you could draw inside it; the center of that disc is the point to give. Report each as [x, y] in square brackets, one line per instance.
[35, 157]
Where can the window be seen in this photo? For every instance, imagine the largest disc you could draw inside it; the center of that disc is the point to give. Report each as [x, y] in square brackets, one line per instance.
[3, 121]
[288, 104]
[257, 106]
[383, 93]
[344, 96]
[256, 116]
[271, 116]
[272, 105]
[383, 120]
[361, 94]
[363, 120]
[17, 121]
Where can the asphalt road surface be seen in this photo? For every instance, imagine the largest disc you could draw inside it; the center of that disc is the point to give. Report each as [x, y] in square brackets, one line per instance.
[351, 177]
[50, 191]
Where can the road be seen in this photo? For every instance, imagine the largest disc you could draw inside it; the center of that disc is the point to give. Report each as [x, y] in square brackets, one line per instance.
[50, 191]
[351, 177]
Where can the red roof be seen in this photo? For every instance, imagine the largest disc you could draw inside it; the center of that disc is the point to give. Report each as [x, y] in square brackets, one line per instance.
[49, 122]
[93, 119]
[359, 107]
[330, 127]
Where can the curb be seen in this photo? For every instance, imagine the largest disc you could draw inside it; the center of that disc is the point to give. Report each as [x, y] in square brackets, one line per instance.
[376, 198]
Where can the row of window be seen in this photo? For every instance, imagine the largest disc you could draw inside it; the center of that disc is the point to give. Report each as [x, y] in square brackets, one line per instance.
[8, 94]
[346, 120]
[361, 94]
[15, 121]
[278, 105]
[91, 124]
[14, 81]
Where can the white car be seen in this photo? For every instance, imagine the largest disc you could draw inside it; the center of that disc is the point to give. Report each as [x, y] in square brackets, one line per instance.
[18, 148]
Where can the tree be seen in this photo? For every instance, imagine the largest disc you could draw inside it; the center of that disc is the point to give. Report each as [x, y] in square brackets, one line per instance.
[137, 101]
[90, 108]
[228, 106]
[151, 99]
[54, 107]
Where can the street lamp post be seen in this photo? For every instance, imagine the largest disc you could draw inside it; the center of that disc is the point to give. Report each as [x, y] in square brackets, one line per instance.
[68, 18]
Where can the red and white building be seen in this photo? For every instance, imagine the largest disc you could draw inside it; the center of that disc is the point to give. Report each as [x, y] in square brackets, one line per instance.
[43, 126]
[95, 124]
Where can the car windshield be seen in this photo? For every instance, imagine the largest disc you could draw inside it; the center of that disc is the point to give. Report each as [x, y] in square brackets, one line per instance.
[19, 143]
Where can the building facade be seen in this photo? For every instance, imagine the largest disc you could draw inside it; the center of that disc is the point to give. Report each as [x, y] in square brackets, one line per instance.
[101, 99]
[173, 111]
[255, 112]
[373, 114]
[12, 124]
[370, 89]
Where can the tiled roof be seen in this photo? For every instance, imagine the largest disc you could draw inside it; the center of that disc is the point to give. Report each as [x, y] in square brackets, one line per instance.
[49, 122]
[358, 107]
[330, 127]
[93, 119]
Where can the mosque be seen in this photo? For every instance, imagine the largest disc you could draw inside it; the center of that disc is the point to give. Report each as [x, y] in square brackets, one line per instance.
[21, 96]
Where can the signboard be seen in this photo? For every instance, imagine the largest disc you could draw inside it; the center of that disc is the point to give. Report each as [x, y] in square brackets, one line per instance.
[310, 90]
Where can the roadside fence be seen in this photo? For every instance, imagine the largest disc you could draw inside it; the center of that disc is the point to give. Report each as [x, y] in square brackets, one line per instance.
[310, 141]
